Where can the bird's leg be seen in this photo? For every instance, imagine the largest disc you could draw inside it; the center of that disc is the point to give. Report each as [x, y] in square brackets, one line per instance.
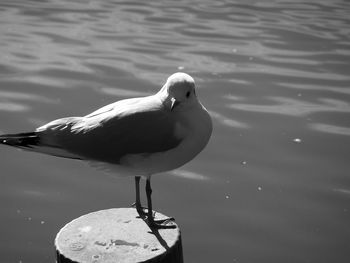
[137, 204]
[162, 223]
[149, 199]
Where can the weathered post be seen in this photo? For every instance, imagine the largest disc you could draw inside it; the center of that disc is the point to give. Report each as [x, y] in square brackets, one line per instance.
[117, 235]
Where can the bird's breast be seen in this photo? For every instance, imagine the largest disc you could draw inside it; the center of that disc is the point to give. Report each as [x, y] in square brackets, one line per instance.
[193, 129]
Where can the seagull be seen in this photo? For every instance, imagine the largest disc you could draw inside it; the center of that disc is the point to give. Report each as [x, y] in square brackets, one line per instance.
[136, 137]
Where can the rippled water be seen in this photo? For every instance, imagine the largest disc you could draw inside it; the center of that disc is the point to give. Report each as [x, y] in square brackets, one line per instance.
[273, 185]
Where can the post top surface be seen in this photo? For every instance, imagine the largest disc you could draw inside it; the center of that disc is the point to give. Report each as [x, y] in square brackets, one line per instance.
[114, 235]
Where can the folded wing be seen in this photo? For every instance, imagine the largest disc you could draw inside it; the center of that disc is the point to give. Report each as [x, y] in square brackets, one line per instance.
[133, 126]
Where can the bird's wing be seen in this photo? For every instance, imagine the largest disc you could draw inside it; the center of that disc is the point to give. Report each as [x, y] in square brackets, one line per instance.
[133, 126]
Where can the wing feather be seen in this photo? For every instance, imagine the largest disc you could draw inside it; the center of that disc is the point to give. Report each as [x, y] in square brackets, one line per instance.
[134, 126]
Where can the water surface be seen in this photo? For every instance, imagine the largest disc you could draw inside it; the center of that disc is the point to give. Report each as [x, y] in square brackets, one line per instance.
[273, 184]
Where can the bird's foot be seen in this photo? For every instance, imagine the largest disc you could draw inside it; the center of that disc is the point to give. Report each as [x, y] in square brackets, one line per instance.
[165, 223]
[142, 211]
[149, 219]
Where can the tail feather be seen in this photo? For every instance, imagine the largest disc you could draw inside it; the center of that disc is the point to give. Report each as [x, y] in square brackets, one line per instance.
[31, 141]
[21, 140]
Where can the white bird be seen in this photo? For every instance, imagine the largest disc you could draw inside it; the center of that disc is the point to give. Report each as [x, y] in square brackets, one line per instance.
[137, 136]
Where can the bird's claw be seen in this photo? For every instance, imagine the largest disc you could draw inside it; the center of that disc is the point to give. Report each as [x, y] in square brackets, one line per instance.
[140, 209]
[161, 223]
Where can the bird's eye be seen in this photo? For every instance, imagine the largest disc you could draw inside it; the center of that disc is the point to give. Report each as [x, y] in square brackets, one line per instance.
[188, 93]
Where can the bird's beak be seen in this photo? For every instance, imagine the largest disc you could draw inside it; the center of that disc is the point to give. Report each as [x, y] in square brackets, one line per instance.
[174, 103]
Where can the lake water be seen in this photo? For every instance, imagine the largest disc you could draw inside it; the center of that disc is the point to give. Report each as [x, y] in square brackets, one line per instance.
[273, 184]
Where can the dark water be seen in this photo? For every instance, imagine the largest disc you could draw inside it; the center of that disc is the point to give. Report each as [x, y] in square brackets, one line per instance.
[273, 185]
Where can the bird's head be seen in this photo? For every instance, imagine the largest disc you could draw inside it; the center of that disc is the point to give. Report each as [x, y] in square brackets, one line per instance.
[179, 91]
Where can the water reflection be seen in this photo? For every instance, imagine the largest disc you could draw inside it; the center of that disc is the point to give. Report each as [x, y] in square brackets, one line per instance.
[227, 121]
[320, 87]
[24, 96]
[294, 107]
[342, 191]
[189, 175]
[123, 92]
[328, 128]
[11, 106]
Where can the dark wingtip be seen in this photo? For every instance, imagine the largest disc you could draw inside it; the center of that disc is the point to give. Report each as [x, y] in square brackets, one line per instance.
[27, 139]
